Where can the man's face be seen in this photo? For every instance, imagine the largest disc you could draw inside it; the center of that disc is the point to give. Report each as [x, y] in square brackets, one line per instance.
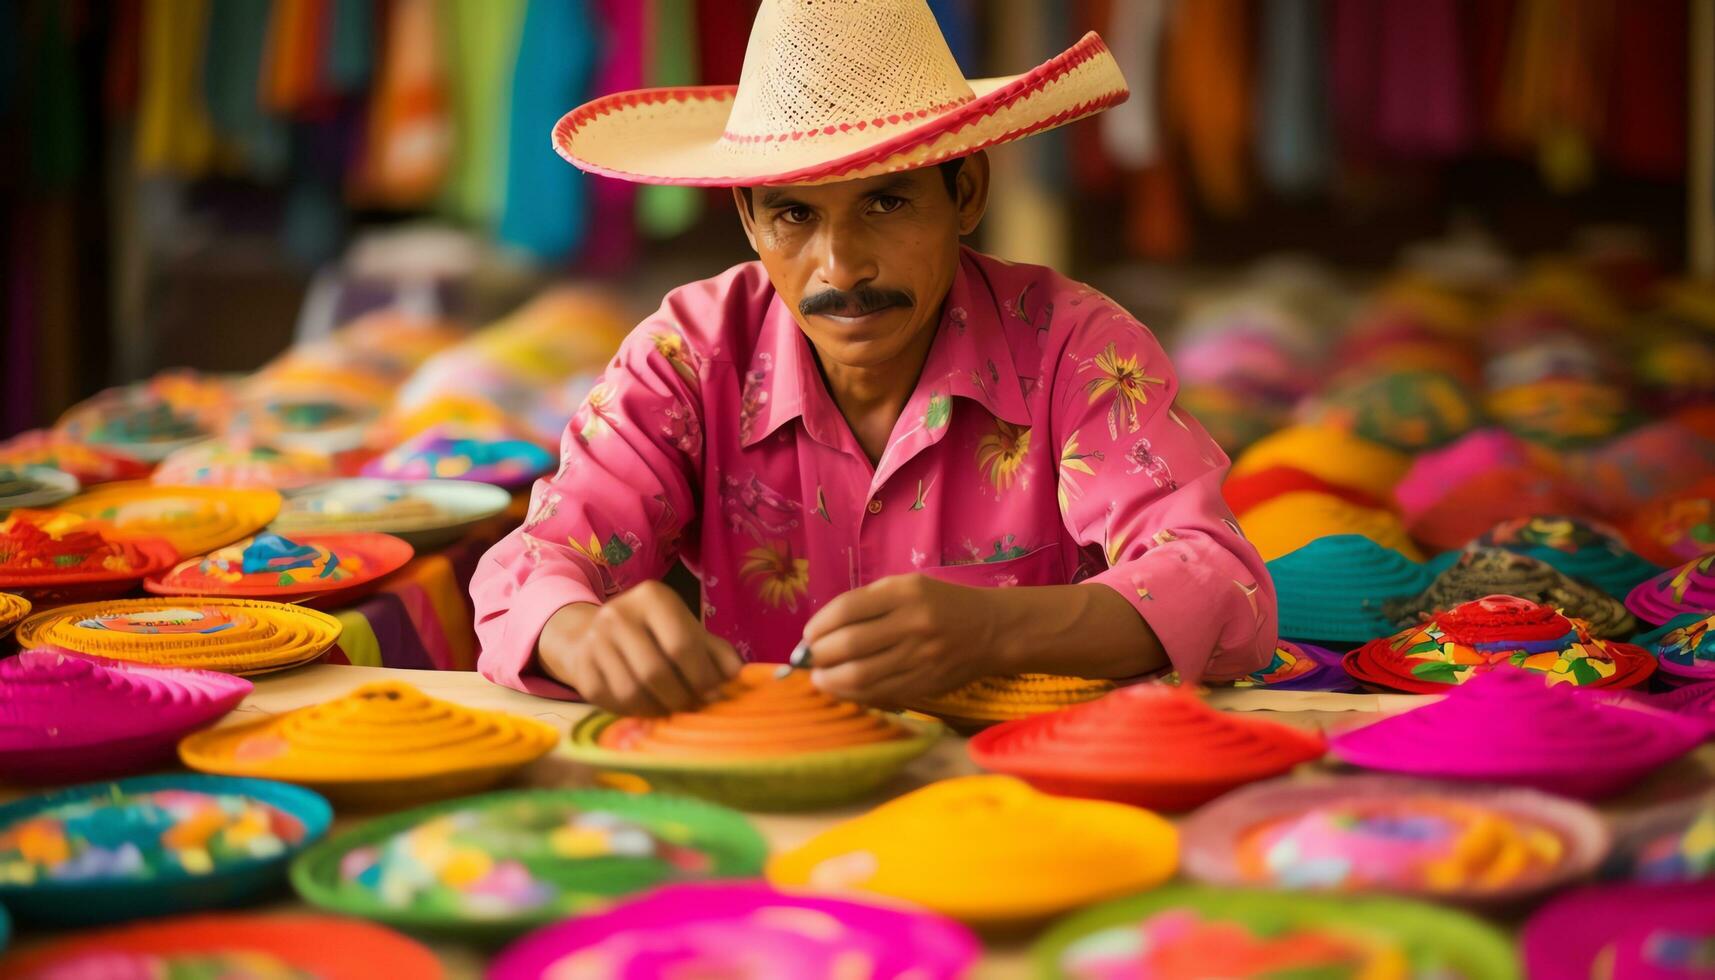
[864, 264]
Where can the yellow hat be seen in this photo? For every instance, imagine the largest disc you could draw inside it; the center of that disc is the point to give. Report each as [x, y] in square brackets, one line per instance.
[1284, 524]
[988, 850]
[1330, 453]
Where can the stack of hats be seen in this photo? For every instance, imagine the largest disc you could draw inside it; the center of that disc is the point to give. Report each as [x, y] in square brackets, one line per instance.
[991, 700]
[1148, 745]
[1509, 727]
[385, 742]
[767, 742]
[1462, 843]
[1481, 572]
[1469, 640]
[48, 556]
[491, 866]
[312, 567]
[1581, 549]
[66, 717]
[235, 636]
[987, 850]
[719, 929]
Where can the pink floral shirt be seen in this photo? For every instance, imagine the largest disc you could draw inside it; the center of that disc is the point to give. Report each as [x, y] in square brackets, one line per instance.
[1040, 447]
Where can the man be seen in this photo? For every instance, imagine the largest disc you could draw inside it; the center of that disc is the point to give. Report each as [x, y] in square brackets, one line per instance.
[924, 464]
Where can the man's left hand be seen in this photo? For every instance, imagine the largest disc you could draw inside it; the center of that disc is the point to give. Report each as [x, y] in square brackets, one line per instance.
[904, 638]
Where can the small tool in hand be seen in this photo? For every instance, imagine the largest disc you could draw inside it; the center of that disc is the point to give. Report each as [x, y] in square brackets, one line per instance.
[799, 660]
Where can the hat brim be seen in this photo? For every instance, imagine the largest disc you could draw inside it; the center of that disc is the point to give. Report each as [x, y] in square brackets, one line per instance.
[677, 135]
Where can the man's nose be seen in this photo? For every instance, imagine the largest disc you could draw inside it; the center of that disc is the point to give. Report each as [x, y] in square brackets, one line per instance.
[847, 258]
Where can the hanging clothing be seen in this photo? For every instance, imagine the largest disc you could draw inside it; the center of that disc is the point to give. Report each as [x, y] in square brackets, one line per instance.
[409, 151]
[1552, 92]
[1422, 108]
[664, 211]
[1208, 80]
[545, 202]
[173, 132]
[1130, 130]
[1646, 121]
[297, 35]
[232, 72]
[1292, 98]
[612, 244]
[480, 43]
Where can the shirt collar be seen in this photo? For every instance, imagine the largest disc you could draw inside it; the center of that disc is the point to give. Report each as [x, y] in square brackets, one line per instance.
[970, 358]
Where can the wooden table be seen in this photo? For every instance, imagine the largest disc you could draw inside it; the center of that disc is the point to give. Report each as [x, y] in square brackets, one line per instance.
[309, 685]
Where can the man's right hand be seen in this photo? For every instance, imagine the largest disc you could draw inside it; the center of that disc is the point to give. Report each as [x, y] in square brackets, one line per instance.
[640, 653]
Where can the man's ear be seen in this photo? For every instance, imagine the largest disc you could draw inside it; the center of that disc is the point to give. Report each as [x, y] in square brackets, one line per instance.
[972, 185]
[746, 216]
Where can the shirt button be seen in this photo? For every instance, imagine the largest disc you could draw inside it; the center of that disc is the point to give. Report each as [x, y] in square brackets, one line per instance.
[875, 506]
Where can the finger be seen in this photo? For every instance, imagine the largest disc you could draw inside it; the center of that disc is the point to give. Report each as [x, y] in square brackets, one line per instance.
[858, 641]
[650, 665]
[623, 693]
[680, 638]
[859, 680]
[726, 659]
[868, 602]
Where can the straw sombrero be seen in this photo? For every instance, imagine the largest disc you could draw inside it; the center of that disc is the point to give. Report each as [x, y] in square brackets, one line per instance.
[832, 90]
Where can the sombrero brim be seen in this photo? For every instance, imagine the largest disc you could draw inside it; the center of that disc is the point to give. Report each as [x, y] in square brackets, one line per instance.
[677, 135]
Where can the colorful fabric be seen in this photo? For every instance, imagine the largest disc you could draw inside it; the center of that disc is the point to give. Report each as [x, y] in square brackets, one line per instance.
[1041, 447]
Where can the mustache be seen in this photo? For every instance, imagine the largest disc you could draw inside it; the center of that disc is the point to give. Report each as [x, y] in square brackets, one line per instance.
[854, 302]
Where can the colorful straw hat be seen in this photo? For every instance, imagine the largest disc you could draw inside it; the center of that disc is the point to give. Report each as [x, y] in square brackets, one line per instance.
[1677, 528]
[490, 867]
[13, 609]
[768, 743]
[1407, 410]
[1336, 589]
[991, 700]
[832, 92]
[987, 850]
[1291, 521]
[241, 464]
[1671, 842]
[133, 422]
[321, 946]
[1468, 641]
[744, 929]
[1581, 549]
[1245, 492]
[43, 447]
[52, 557]
[1562, 413]
[1480, 572]
[234, 636]
[1690, 588]
[1643, 931]
[323, 418]
[1466, 844]
[1193, 931]
[1331, 454]
[196, 520]
[1149, 745]
[323, 568]
[1483, 501]
[461, 453]
[385, 743]
[155, 845]
[1652, 462]
[34, 486]
[1435, 474]
[1509, 727]
[1684, 647]
[1301, 667]
[65, 717]
[427, 513]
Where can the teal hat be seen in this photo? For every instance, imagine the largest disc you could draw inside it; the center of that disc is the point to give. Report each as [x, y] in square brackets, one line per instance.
[1335, 589]
[1684, 647]
[1578, 548]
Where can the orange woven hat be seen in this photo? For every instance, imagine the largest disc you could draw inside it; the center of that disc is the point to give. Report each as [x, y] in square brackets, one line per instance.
[833, 90]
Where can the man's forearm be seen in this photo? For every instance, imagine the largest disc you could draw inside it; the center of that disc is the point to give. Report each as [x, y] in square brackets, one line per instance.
[1084, 630]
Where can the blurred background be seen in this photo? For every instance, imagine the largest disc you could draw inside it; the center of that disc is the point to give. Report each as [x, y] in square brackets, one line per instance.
[202, 184]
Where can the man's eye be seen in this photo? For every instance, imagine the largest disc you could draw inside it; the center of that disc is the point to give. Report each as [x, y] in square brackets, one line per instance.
[887, 204]
[795, 215]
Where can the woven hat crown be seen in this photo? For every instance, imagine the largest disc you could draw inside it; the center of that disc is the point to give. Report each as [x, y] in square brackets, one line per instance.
[815, 64]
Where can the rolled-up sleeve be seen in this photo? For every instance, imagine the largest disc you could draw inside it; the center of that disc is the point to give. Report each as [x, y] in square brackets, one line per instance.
[611, 515]
[1141, 480]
